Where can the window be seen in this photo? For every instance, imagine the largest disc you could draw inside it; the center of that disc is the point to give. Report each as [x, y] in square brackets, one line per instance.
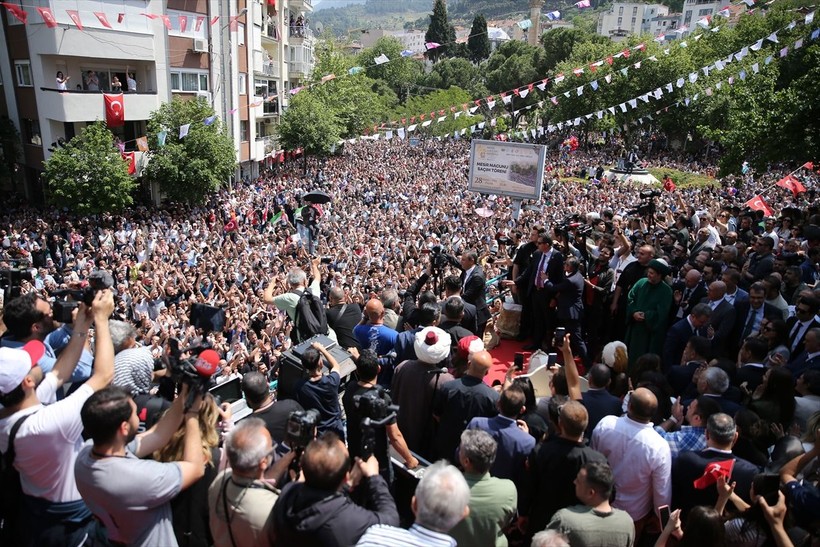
[621, 10]
[240, 35]
[243, 83]
[634, 11]
[23, 69]
[31, 132]
[243, 130]
[704, 12]
[620, 21]
[633, 21]
[189, 81]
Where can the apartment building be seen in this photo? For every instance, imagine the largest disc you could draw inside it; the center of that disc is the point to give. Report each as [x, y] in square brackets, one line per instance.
[412, 40]
[243, 56]
[695, 10]
[625, 18]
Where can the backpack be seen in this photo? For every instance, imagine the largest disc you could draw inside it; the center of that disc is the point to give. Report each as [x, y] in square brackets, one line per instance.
[311, 318]
[11, 491]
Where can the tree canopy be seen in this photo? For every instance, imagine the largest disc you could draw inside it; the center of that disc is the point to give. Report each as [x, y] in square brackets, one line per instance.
[441, 32]
[188, 169]
[88, 174]
[478, 43]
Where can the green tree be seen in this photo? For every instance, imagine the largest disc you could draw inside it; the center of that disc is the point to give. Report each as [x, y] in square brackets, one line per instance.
[512, 65]
[559, 44]
[440, 103]
[457, 72]
[309, 124]
[188, 169]
[88, 174]
[440, 31]
[400, 73]
[478, 43]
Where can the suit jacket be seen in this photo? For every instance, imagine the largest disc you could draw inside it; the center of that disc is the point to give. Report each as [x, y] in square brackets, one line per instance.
[469, 321]
[740, 296]
[752, 375]
[742, 315]
[677, 337]
[555, 271]
[570, 296]
[475, 293]
[689, 466]
[727, 406]
[722, 320]
[801, 344]
[802, 363]
[697, 294]
[600, 403]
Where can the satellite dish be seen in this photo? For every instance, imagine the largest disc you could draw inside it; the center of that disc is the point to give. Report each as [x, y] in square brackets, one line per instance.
[319, 27]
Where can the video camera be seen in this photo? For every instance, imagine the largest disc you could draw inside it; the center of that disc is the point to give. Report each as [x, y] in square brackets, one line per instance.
[301, 428]
[377, 410]
[195, 371]
[647, 206]
[63, 309]
[10, 278]
[574, 224]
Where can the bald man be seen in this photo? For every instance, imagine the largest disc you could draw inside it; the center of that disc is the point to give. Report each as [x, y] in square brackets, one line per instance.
[461, 400]
[640, 459]
[686, 294]
[372, 333]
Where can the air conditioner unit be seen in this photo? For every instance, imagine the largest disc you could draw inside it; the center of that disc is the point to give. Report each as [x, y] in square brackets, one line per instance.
[206, 95]
[200, 45]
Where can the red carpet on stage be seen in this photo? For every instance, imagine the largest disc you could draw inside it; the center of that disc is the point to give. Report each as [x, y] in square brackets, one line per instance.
[503, 356]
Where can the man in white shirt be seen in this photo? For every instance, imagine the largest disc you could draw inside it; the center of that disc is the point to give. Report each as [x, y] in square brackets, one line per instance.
[640, 459]
[46, 444]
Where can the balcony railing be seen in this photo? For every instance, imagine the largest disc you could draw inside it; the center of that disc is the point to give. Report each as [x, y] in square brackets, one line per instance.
[271, 108]
[270, 68]
[81, 106]
[297, 67]
[300, 31]
[270, 31]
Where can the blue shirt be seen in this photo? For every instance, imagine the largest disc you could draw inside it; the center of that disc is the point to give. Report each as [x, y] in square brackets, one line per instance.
[54, 343]
[379, 338]
[514, 447]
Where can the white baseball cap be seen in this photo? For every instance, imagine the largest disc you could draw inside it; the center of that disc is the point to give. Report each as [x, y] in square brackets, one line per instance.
[16, 363]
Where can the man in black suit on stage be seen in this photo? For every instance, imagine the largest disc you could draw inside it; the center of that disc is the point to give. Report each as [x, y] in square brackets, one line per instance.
[546, 265]
[721, 435]
[473, 282]
[452, 287]
[570, 305]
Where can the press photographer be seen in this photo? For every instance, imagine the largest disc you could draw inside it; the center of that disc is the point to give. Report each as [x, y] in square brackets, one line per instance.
[364, 400]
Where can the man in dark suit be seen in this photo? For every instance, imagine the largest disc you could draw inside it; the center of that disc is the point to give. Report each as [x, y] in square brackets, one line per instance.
[452, 287]
[679, 334]
[751, 313]
[598, 401]
[473, 282]
[686, 294]
[721, 434]
[809, 358]
[750, 363]
[570, 304]
[450, 320]
[714, 382]
[547, 265]
[722, 320]
[805, 318]
[696, 354]
[343, 318]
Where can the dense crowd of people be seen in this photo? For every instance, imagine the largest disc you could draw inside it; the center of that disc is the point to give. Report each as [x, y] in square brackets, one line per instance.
[685, 325]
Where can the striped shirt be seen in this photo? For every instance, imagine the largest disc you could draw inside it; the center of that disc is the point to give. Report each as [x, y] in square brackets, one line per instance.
[381, 535]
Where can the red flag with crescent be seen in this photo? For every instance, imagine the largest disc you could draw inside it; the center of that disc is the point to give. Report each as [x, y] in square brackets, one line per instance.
[114, 110]
[757, 204]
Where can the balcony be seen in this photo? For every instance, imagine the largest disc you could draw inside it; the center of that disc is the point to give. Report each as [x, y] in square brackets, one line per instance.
[297, 34]
[269, 68]
[83, 106]
[264, 146]
[300, 5]
[271, 110]
[270, 32]
[298, 70]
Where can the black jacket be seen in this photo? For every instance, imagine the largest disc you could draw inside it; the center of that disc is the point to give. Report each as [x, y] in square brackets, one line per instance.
[308, 517]
[689, 466]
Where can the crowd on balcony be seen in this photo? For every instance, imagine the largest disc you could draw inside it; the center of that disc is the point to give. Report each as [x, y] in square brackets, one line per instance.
[694, 325]
[298, 26]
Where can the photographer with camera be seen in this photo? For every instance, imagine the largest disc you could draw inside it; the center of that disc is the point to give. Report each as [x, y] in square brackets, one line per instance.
[318, 511]
[47, 439]
[30, 317]
[320, 391]
[130, 495]
[364, 399]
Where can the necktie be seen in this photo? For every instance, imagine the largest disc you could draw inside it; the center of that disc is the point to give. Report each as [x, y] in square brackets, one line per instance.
[750, 323]
[794, 337]
[684, 302]
[541, 267]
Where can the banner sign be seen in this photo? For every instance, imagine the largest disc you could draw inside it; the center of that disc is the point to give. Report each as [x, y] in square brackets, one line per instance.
[507, 168]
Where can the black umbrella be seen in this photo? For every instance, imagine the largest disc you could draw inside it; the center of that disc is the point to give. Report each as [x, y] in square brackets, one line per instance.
[317, 196]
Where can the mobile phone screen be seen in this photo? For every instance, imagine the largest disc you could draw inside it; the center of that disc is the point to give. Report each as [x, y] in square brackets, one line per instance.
[665, 514]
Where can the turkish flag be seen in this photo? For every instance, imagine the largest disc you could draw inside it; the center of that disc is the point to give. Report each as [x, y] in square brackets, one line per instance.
[713, 471]
[75, 16]
[48, 17]
[757, 204]
[17, 11]
[231, 226]
[114, 110]
[808, 165]
[131, 159]
[668, 185]
[103, 19]
[792, 184]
